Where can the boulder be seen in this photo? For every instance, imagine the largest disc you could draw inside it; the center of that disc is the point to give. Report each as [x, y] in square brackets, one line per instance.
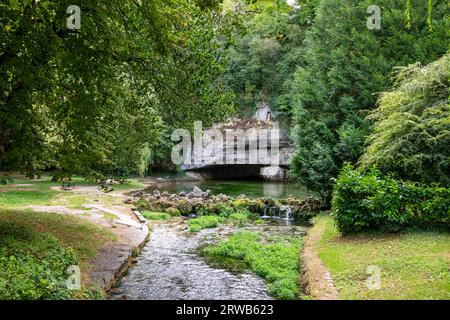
[197, 192]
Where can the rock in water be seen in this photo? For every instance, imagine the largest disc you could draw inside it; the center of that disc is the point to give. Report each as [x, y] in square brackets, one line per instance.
[197, 192]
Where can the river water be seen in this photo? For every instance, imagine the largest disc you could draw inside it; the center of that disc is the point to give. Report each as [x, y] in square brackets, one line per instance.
[234, 188]
[170, 266]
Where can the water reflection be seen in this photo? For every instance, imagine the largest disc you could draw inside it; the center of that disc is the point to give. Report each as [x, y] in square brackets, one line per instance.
[234, 188]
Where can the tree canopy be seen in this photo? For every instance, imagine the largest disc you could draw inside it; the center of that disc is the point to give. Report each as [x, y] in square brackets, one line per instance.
[93, 100]
[411, 135]
[346, 65]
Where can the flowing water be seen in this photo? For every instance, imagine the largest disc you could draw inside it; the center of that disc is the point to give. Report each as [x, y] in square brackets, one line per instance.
[170, 266]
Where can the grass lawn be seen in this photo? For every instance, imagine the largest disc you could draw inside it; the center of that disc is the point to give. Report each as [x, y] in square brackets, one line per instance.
[39, 192]
[414, 264]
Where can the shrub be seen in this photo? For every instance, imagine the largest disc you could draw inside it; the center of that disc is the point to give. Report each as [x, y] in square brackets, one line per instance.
[32, 265]
[372, 201]
[155, 215]
[204, 222]
[5, 180]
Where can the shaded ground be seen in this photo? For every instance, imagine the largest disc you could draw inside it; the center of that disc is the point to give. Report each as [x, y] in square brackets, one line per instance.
[84, 203]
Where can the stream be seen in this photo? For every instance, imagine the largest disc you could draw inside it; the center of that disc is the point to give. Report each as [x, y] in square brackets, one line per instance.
[171, 268]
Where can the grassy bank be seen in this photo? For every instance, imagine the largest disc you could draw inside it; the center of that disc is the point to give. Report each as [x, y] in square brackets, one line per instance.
[414, 264]
[37, 248]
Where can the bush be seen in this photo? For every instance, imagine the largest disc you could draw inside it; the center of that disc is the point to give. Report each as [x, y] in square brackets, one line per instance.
[32, 265]
[155, 215]
[370, 201]
[204, 222]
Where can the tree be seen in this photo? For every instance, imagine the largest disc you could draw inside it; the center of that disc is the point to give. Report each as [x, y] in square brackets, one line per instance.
[411, 135]
[93, 101]
[266, 52]
[346, 65]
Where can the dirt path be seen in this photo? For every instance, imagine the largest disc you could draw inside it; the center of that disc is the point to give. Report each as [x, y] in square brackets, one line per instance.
[315, 276]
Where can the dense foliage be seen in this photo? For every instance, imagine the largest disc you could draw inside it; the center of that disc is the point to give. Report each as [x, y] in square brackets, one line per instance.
[411, 135]
[94, 101]
[346, 65]
[32, 265]
[265, 53]
[371, 200]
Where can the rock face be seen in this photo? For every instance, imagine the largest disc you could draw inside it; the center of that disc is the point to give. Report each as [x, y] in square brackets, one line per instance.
[243, 148]
[273, 173]
[263, 112]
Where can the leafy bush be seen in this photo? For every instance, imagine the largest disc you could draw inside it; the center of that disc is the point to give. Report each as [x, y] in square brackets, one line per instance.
[412, 129]
[32, 265]
[372, 201]
[204, 222]
[155, 215]
[276, 262]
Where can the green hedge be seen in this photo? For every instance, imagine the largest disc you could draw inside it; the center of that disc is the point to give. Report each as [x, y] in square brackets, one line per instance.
[369, 200]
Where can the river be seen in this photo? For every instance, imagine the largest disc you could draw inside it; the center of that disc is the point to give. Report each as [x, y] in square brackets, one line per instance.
[170, 266]
[234, 188]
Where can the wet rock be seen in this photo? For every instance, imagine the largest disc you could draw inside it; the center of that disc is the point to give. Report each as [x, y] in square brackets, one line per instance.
[138, 194]
[197, 192]
[160, 180]
[182, 194]
[156, 194]
[128, 201]
[165, 194]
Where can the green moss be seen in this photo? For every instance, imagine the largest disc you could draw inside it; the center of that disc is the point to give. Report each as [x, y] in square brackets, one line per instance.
[155, 215]
[204, 222]
[278, 263]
